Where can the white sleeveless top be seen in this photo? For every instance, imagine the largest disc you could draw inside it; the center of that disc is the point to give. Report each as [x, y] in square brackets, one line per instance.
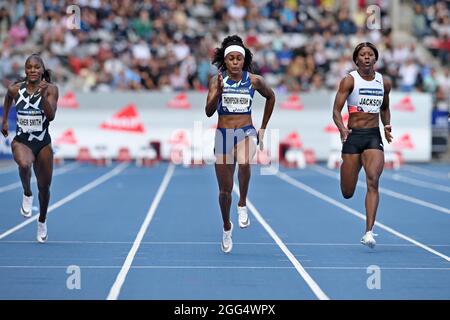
[367, 96]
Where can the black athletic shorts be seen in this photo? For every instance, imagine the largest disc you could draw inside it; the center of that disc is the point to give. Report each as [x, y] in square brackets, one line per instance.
[35, 146]
[362, 139]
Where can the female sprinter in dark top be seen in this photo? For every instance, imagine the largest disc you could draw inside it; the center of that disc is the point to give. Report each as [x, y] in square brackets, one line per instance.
[35, 99]
[231, 94]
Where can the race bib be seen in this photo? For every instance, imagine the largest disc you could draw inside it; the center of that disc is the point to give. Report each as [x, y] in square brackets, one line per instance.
[236, 102]
[370, 100]
[29, 123]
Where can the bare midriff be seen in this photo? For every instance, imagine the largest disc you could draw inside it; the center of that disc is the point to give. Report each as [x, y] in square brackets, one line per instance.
[363, 120]
[234, 121]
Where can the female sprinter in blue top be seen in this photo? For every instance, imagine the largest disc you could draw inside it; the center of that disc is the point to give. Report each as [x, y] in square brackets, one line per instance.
[231, 94]
[367, 94]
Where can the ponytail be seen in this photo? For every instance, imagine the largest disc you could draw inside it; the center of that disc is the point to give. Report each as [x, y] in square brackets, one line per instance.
[47, 76]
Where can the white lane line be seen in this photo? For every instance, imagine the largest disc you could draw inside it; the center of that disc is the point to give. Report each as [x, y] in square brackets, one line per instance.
[116, 287]
[224, 267]
[183, 243]
[298, 266]
[8, 169]
[418, 183]
[427, 172]
[69, 198]
[66, 168]
[388, 192]
[57, 172]
[338, 204]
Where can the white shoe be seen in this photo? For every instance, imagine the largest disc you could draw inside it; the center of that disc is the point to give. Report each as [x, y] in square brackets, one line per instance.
[42, 232]
[369, 240]
[227, 242]
[27, 204]
[244, 220]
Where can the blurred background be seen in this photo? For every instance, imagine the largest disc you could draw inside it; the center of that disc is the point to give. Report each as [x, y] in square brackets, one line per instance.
[134, 73]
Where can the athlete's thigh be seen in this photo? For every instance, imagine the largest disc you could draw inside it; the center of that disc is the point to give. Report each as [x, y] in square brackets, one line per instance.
[245, 150]
[350, 167]
[22, 154]
[373, 162]
[43, 166]
[223, 145]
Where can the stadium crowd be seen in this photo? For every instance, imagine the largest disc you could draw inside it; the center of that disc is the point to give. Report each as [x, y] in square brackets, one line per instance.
[298, 45]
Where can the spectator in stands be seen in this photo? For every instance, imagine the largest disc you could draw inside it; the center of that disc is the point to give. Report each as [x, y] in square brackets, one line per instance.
[5, 23]
[408, 75]
[170, 31]
[18, 32]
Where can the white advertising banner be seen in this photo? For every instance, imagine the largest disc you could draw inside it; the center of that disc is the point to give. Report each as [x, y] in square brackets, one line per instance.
[111, 121]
